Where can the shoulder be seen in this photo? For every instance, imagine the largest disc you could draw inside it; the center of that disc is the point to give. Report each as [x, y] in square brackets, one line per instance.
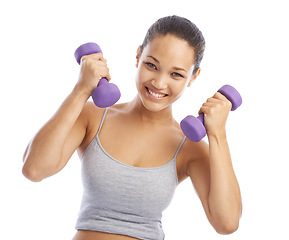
[195, 150]
[91, 117]
[191, 157]
[90, 109]
[191, 151]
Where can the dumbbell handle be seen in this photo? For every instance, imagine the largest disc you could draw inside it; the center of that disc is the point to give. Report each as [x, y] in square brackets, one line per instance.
[201, 118]
[102, 81]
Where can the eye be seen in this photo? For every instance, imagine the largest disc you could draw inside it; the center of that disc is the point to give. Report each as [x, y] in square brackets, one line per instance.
[175, 74]
[151, 65]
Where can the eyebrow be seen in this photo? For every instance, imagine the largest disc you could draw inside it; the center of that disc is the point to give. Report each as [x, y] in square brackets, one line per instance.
[154, 59]
[176, 68]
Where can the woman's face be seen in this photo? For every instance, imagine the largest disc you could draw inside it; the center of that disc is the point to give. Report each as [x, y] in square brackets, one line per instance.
[165, 69]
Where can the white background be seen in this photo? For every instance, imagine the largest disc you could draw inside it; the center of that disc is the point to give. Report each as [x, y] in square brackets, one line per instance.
[247, 47]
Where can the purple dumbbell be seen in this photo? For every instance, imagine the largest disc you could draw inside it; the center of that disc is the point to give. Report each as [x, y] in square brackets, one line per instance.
[194, 127]
[105, 94]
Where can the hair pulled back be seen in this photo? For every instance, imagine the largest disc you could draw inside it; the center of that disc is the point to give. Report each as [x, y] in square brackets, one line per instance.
[181, 28]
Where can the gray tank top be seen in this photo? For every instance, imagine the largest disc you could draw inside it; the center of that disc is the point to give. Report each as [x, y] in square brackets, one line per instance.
[123, 199]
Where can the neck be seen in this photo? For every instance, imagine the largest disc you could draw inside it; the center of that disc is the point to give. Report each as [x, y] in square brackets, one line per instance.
[163, 116]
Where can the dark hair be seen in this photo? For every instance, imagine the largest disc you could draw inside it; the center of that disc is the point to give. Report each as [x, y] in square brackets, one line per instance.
[182, 28]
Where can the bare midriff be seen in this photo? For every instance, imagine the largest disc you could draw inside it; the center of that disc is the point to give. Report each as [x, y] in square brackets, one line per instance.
[93, 235]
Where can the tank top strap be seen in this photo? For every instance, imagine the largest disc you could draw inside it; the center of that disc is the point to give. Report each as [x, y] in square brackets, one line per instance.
[102, 120]
[180, 146]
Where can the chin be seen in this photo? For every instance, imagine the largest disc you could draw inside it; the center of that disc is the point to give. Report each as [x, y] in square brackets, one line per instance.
[155, 109]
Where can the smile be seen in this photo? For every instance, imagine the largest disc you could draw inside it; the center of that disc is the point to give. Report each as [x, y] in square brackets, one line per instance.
[157, 95]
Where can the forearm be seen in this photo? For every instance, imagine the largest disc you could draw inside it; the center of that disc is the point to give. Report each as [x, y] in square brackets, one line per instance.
[43, 153]
[224, 197]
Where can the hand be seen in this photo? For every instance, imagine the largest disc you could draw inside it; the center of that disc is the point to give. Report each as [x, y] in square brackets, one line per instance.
[93, 68]
[216, 110]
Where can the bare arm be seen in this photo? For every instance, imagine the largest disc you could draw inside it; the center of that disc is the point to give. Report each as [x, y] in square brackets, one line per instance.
[212, 172]
[51, 148]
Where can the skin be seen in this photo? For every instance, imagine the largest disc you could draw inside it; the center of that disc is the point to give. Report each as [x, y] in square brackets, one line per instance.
[165, 68]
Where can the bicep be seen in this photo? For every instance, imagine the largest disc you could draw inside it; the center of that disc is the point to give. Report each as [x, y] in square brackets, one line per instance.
[199, 173]
[74, 139]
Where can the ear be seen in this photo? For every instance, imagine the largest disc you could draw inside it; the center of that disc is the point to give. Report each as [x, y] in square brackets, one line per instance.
[138, 54]
[194, 77]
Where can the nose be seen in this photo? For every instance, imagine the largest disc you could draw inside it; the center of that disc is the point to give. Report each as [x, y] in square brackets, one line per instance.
[159, 83]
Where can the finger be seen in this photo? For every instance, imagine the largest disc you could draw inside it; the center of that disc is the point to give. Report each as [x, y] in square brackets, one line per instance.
[82, 59]
[204, 110]
[108, 77]
[209, 104]
[95, 56]
[105, 72]
[223, 100]
[213, 100]
[219, 96]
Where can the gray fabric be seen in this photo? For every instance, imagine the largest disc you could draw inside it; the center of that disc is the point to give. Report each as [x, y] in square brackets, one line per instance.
[122, 199]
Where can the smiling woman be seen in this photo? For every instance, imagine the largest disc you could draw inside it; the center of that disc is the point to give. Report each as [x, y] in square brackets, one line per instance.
[134, 154]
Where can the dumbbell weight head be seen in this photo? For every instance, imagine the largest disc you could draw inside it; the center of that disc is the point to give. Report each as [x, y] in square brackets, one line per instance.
[106, 94]
[194, 127]
[86, 49]
[232, 95]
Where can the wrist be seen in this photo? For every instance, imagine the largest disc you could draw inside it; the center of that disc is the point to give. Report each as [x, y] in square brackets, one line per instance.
[218, 135]
[80, 92]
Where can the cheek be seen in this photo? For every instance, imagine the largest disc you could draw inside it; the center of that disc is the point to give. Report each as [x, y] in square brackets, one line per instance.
[139, 79]
[142, 75]
[178, 88]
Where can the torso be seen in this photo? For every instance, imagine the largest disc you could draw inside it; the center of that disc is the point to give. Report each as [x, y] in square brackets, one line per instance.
[149, 146]
[92, 235]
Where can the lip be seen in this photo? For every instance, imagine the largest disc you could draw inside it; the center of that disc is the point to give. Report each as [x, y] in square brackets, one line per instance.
[156, 92]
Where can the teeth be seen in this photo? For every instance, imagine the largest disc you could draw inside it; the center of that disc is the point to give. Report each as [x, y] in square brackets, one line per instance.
[156, 94]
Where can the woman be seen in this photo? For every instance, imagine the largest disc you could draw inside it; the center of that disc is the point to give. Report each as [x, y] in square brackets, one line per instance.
[134, 154]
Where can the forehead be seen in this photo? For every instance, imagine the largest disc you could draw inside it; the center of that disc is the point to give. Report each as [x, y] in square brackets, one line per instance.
[171, 48]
